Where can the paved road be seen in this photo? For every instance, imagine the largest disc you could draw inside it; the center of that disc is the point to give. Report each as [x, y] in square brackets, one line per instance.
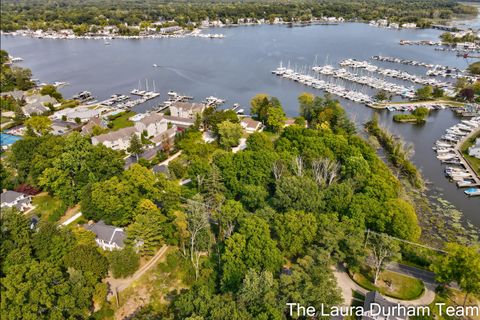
[347, 286]
[424, 275]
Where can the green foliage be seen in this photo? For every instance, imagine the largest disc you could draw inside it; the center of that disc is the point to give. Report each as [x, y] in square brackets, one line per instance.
[295, 230]
[424, 93]
[35, 282]
[147, 230]
[39, 124]
[87, 259]
[474, 68]
[12, 77]
[229, 134]
[123, 263]
[51, 90]
[81, 16]
[269, 111]
[250, 248]
[310, 283]
[460, 264]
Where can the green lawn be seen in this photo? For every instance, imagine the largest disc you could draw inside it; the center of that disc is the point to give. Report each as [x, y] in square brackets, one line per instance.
[474, 162]
[391, 284]
[48, 208]
[122, 121]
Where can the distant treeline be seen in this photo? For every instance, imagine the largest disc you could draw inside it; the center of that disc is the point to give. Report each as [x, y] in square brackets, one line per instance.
[37, 14]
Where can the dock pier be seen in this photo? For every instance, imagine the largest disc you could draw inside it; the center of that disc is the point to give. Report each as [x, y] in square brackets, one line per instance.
[465, 163]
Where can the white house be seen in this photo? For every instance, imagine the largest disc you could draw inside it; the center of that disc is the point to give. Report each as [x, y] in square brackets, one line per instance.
[116, 140]
[19, 200]
[186, 109]
[107, 237]
[250, 125]
[154, 124]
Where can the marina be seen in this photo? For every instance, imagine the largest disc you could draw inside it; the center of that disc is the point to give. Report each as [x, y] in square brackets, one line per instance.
[239, 79]
[448, 152]
[398, 74]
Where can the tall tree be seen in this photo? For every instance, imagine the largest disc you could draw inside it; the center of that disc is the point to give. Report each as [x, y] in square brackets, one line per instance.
[136, 146]
[460, 264]
[295, 231]
[384, 249]
[147, 229]
[199, 229]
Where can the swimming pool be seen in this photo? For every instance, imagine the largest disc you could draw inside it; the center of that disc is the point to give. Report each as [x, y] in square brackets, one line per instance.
[8, 139]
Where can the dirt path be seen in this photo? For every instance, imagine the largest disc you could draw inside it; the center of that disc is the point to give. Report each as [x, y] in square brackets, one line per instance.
[118, 285]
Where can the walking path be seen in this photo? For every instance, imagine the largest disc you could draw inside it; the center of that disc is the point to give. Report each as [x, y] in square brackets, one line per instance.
[118, 285]
[347, 286]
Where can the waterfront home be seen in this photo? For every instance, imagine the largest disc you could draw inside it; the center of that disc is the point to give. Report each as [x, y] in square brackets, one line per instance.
[34, 108]
[187, 110]
[19, 200]
[375, 301]
[474, 151]
[250, 125]
[15, 94]
[180, 123]
[116, 140]
[107, 237]
[153, 124]
[40, 99]
[167, 135]
[92, 123]
[83, 113]
[60, 127]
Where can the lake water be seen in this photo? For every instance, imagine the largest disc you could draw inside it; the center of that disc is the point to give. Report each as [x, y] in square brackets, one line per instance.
[239, 66]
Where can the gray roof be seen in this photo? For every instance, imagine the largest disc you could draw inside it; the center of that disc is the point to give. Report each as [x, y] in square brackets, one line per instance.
[15, 94]
[35, 107]
[151, 118]
[376, 297]
[10, 196]
[115, 135]
[107, 233]
[191, 106]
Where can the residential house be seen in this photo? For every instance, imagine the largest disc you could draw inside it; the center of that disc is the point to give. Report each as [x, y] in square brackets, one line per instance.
[40, 99]
[250, 125]
[83, 113]
[19, 200]
[92, 123]
[168, 134]
[34, 108]
[186, 109]
[180, 123]
[153, 124]
[107, 237]
[376, 307]
[60, 127]
[116, 140]
[15, 94]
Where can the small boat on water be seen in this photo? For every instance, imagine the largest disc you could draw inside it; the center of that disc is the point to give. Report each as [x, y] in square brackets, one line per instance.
[472, 192]
[155, 65]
